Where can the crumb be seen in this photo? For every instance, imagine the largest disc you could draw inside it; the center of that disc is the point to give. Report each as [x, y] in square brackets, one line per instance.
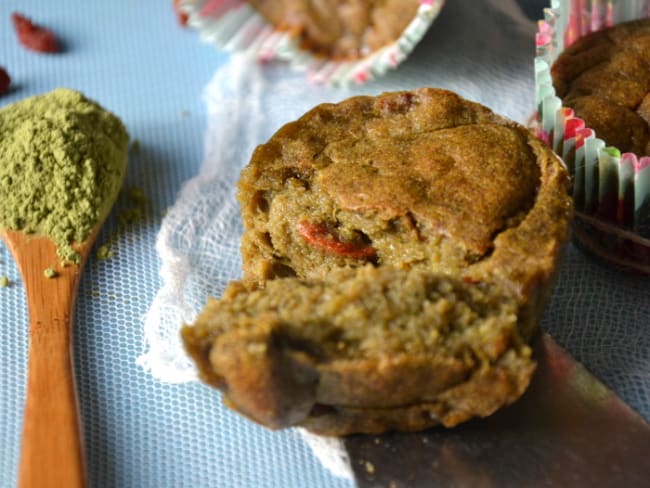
[135, 147]
[137, 195]
[370, 468]
[4, 281]
[135, 210]
[50, 273]
[104, 252]
[137, 207]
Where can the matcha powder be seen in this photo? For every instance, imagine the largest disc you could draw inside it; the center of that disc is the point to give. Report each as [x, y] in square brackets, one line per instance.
[62, 162]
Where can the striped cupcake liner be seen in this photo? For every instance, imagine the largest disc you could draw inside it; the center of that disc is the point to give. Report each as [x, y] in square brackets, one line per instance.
[234, 25]
[611, 189]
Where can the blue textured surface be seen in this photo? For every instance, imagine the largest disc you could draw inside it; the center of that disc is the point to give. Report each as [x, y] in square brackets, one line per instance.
[133, 58]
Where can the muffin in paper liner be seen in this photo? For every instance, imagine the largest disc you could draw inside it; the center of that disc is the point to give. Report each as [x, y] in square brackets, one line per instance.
[611, 188]
[235, 25]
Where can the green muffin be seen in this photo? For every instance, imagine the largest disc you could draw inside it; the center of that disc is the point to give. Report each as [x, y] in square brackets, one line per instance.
[375, 204]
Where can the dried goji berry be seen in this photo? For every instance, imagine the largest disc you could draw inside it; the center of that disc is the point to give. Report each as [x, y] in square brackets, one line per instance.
[470, 280]
[181, 15]
[5, 80]
[321, 238]
[34, 36]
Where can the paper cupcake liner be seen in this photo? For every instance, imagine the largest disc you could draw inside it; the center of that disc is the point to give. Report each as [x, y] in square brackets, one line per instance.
[611, 189]
[234, 25]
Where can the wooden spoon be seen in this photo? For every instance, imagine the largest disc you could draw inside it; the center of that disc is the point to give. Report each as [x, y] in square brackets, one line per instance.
[52, 450]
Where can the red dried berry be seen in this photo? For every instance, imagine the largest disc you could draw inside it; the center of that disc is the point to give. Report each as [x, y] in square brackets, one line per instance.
[181, 16]
[470, 280]
[320, 237]
[34, 36]
[5, 81]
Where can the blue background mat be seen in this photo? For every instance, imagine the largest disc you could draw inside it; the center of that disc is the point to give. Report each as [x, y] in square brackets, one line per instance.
[133, 58]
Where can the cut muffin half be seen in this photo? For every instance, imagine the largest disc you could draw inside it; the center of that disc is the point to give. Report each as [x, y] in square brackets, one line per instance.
[362, 347]
[397, 254]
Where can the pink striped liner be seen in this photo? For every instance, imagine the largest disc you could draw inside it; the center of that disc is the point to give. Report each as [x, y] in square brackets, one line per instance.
[235, 26]
[611, 190]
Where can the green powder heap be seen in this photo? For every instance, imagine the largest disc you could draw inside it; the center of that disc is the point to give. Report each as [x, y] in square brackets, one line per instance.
[62, 162]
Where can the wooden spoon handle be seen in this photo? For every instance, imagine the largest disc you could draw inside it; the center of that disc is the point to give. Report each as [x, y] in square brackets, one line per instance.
[52, 452]
[52, 449]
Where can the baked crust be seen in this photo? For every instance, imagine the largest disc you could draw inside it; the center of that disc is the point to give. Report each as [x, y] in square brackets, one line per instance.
[386, 189]
[481, 395]
[605, 78]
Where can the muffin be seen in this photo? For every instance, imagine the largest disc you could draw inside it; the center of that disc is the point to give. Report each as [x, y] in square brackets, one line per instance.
[340, 30]
[595, 110]
[604, 78]
[337, 42]
[365, 349]
[389, 243]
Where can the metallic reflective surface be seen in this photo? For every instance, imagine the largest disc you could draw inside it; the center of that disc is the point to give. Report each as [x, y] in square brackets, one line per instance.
[567, 430]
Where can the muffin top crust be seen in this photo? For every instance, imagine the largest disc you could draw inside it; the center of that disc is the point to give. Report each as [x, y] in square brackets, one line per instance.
[338, 29]
[448, 168]
[605, 78]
